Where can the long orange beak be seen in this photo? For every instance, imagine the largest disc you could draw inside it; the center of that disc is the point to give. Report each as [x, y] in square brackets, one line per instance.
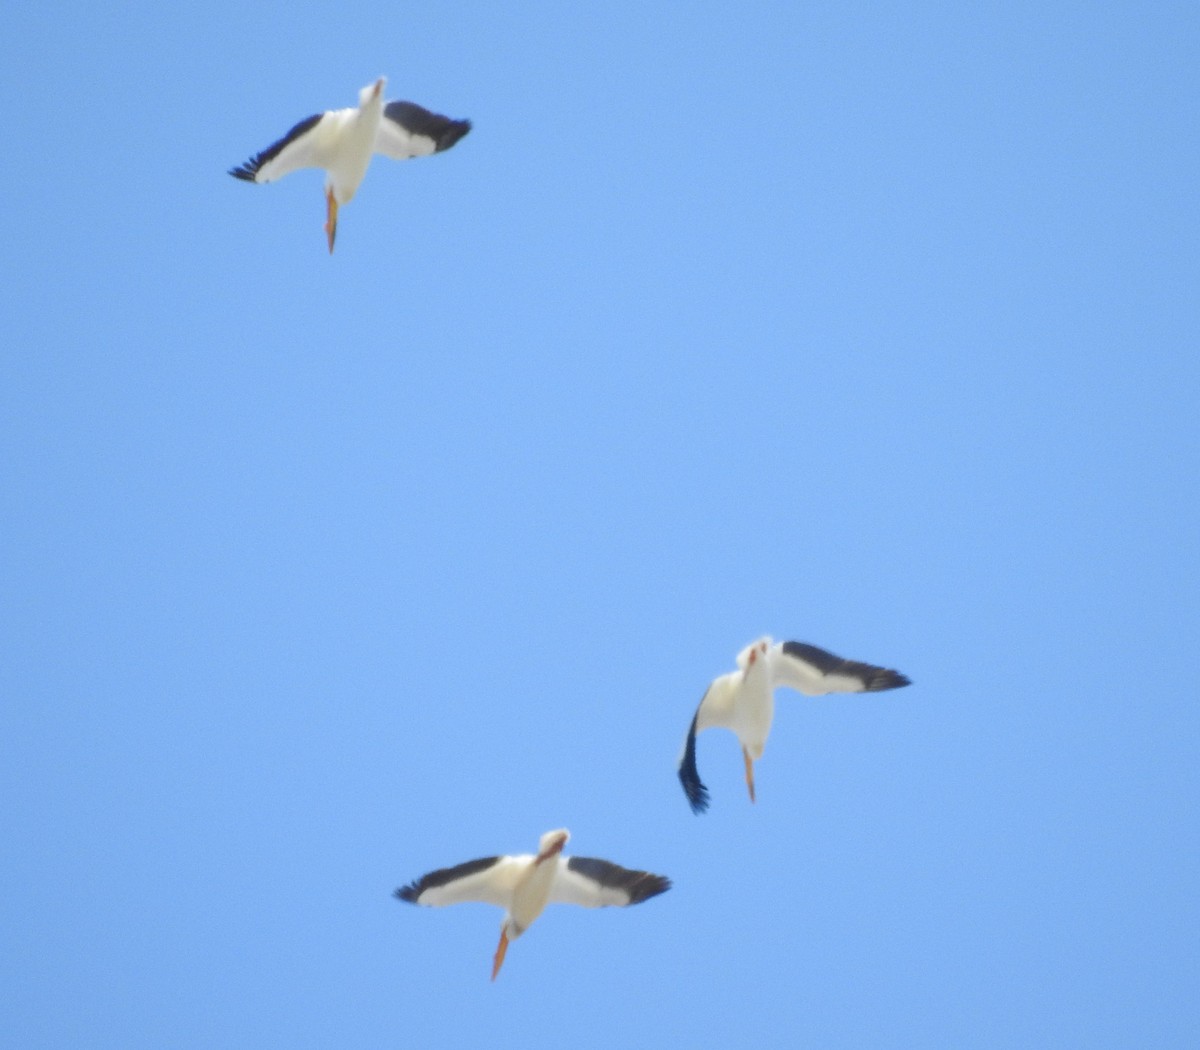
[749, 772]
[331, 209]
[502, 948]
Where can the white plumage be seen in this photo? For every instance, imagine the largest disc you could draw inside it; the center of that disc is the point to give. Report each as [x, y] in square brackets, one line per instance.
[342, 141]
[744, 700]
[523, 885]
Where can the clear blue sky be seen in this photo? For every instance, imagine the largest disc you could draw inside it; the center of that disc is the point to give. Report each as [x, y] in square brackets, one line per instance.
[873, 326]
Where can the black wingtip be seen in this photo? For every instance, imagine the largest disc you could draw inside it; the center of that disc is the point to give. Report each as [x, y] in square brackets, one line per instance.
[406, 893]
[245, 172]
[884, 678]
[696, 792]
[648, 886]
[689, 775]
[456, 130]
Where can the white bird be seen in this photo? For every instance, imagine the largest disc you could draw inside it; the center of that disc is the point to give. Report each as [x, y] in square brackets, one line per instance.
[523, 885]
[342, 141]
[744, 700]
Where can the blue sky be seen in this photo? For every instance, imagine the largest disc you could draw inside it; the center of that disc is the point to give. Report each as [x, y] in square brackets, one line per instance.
[872, 326]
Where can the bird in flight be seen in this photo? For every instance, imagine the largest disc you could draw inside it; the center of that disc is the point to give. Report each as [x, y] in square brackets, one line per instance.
[342, 141]
[524, 884]
[743, 700]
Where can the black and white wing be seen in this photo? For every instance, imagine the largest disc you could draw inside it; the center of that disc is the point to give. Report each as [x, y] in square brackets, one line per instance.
[408, 130]
[716, 709]
[302, 147]
[593, 883]
[489, 879]
[814, 671]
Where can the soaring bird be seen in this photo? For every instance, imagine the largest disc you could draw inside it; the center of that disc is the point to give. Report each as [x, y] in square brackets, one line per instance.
[342, 141]
[523, 885]
[744, 700]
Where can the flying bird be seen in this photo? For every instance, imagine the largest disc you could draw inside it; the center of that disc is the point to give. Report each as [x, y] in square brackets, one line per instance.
[523, 885]
[342, 141]
[744, 700]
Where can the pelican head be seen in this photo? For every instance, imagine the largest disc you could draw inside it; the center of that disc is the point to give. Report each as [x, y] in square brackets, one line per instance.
[747, 657]
[552, 843]
[371, 92]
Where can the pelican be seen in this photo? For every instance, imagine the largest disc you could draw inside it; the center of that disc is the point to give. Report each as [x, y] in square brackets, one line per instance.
[744, 700]
[342, 141]
[523, 885]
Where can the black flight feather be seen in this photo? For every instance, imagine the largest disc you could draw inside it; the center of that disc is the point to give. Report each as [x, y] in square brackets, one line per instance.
[689, 775]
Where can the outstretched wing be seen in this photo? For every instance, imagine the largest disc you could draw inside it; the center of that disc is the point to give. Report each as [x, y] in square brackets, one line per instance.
[299, 148]
[593, 883]
[814, 671]
[489, 879]
[408, 130]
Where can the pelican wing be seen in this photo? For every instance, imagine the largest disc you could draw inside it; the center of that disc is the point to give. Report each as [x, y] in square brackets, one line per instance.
[593, 883]
[715, 710]
[302, 147]
[408, 130]
[814, 671]
[689, 775]
[489, 879]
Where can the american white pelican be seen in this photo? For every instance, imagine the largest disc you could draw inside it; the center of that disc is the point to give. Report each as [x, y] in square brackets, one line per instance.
[743, 700]
[342, 140]
[525, 884]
